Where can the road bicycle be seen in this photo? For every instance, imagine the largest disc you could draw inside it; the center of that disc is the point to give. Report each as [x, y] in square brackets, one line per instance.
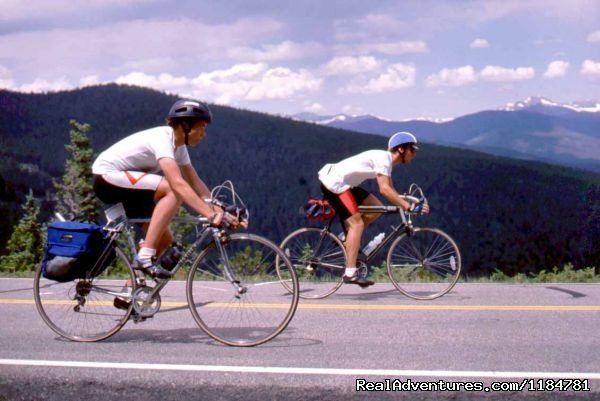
[422, 263]
[233, 286]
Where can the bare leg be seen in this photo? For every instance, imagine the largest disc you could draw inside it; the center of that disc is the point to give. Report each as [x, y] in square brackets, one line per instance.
[371, 200]
[355, 226]
[158, 235]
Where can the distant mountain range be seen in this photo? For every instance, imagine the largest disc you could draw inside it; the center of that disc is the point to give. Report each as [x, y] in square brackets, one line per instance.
[533, 129]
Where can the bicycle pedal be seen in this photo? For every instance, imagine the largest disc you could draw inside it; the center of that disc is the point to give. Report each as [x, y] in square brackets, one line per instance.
[139, 319]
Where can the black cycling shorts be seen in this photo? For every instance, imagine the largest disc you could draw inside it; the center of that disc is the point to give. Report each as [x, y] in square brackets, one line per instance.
[138, 203]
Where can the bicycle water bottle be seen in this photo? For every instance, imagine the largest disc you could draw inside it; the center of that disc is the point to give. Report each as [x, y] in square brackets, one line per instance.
[374, 243]
[171, 256]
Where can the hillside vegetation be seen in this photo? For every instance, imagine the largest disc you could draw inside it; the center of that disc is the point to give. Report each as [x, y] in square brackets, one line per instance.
[507, 215]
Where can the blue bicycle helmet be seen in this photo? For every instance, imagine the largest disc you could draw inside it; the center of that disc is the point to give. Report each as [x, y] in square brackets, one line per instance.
[402, 138]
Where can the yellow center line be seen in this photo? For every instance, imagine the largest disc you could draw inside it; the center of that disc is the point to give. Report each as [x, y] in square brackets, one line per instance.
[357, 307]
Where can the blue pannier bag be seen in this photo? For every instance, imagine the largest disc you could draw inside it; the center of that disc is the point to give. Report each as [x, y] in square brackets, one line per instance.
[76, 250]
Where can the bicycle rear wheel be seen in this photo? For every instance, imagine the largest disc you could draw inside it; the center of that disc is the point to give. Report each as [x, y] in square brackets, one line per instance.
[83, 309]
[247, 305]
[319, 258]
[424, 265]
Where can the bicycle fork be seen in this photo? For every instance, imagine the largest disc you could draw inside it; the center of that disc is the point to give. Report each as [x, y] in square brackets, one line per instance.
[220, 239]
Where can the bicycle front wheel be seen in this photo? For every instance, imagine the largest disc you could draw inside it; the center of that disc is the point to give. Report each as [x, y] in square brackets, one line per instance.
[424, 265]
[236, 296]
[319, 258]
[84, 309]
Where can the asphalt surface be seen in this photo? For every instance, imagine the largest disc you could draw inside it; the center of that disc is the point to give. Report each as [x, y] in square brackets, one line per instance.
[337, 348]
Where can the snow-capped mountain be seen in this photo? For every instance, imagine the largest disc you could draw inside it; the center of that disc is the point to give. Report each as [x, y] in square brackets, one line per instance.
[349, 119]
[331, 119]
[535, 128]
[541, 104]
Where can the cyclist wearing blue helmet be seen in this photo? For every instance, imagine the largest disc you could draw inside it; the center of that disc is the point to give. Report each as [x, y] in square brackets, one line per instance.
[127, 172]
[340, 185]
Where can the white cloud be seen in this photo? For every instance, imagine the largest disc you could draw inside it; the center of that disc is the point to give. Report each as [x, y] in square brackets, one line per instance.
[556, 69]
[163, 82]
[241, 82]
[501, 74]
[41, 85]
[138, 45]
[396, 76]
[593, 37]
[367, 26]
[314, 107]
[590, 69]
[286, 50]
[348, 65]
[15, 10]
[352, 110]
[452, 77]
[479, 44]
[394, 48]
[151, 65]
[6, 81]
[89, 80]
[254, 82]
[400, 47]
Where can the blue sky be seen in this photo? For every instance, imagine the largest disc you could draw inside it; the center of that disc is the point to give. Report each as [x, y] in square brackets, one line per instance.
[393, 59]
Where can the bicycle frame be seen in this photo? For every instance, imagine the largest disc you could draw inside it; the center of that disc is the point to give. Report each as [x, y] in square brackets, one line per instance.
[203, 232]
[405, 226]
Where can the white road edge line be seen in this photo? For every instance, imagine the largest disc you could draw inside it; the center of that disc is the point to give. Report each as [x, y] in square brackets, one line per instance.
[301, 371]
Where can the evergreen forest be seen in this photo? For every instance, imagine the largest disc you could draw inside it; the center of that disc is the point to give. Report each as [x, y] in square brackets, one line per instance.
[506, 215]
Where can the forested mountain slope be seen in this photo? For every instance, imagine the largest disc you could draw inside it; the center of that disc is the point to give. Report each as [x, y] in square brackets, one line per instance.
[505, 214]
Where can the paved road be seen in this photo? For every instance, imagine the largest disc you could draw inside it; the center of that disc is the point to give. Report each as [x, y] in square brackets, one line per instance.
[478, 333]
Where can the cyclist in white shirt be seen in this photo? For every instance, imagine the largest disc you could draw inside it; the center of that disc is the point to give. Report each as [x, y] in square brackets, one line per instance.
[340, 185]
[127, 173]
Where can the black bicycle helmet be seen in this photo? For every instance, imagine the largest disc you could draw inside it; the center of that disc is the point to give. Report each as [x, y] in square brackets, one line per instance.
[187, 108]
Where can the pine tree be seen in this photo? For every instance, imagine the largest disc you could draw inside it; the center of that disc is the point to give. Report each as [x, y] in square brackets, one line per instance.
[25, 246]
[76, 198]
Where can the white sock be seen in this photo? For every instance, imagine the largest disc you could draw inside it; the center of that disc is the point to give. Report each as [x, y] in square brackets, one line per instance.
[350, 271]
[145, 256]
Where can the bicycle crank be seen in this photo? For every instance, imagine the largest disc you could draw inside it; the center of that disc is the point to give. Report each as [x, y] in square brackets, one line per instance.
[145, 303]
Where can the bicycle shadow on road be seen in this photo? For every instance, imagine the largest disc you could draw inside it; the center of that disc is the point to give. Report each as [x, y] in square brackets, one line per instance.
[197, 336]
[387, 294]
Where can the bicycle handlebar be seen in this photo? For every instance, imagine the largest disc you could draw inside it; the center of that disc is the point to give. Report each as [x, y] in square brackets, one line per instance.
[379, 209]
[414, 195]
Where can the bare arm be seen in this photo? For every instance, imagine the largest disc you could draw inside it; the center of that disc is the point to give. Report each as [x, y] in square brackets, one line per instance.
[190, 193]
[386, 187]
[191, 176]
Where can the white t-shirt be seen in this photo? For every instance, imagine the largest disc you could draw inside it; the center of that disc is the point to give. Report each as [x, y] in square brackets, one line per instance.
[351, 172]
[141, 152]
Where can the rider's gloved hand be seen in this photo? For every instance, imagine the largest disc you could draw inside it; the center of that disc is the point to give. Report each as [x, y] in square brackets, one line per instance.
[238, 217]
[227, 220]
[419, 208]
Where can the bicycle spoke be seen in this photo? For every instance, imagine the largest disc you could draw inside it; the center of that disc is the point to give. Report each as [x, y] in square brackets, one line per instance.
[319, 258]
[256, 306]
[421, 265]
[83, 310]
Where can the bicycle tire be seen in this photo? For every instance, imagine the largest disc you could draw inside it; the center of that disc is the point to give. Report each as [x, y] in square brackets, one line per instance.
[320, 273]
[249, 318]
[83, 310]
[424, 265]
